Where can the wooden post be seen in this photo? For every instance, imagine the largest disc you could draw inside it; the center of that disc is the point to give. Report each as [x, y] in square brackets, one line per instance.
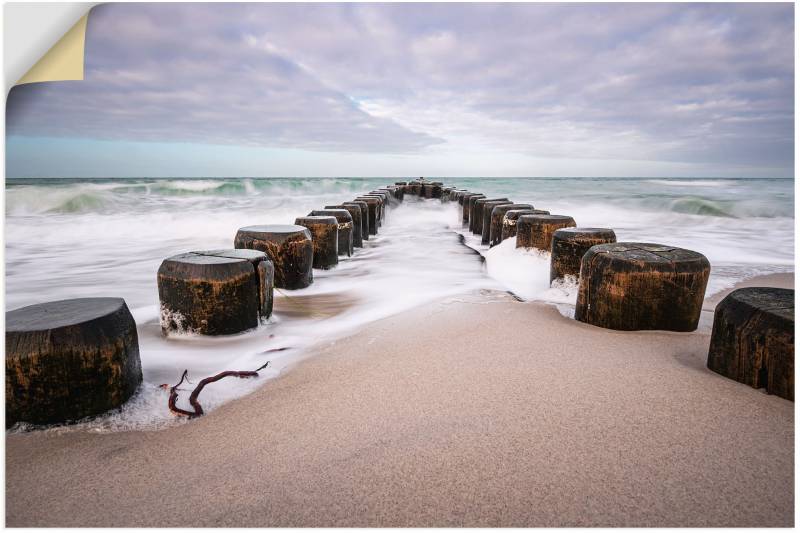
[752, 340]
[373, 213]
[344, 220]
[218, 292]
[570, 245]
[287, 246]
[511, 217]
[476, 213]
[536, 231]
[496, 221]
[486, 225]
[355, 214]
[324, 238]
[70, 359]
[641, 286]
[364, 217]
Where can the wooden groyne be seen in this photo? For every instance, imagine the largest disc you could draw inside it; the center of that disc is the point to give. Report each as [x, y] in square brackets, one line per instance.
[75, 358]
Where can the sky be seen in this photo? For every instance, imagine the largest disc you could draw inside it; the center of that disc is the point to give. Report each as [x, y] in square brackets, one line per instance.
[417, 89]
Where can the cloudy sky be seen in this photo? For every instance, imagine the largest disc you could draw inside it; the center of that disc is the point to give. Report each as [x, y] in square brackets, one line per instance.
[416, 89]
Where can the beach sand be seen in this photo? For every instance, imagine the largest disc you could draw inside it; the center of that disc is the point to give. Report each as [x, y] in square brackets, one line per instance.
[476, 411]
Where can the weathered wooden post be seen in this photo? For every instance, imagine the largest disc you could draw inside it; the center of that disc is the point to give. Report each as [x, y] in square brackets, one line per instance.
[380, 214]
[510, 220]
[215, 292]
[70, 359]
[476, 213]
[344, 221]
[752, 340]
[636, 286]
[324, 237]
[536, 231]
[570, 245]
[373, 212]
[287, 246]
[496, 221]
[355, 214]
[488, 207]
[364, 217]
[467, 201]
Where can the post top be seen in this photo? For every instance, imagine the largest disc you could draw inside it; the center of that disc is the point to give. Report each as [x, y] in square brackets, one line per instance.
[61, 313]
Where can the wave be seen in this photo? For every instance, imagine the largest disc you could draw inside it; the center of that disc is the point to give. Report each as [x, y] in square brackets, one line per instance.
[700, 206]
[692, 183]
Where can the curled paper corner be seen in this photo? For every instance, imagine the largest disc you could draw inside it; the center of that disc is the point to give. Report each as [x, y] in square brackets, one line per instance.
[64, 61]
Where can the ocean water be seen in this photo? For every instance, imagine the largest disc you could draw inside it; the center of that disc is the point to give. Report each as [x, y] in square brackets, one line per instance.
[78, 238]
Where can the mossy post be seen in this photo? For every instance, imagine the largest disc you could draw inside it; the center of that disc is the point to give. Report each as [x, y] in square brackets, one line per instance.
[344, 220]
[752, 340]
[568, 247]
[70, 359]
[641, 286]
[287, 246]
[364, 217]
[215, 292]
[536, 231]
[486, 225]
[496, 221]
[355, 214]
[324, 237]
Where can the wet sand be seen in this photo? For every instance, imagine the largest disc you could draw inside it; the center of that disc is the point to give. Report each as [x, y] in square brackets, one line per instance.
[477, 411]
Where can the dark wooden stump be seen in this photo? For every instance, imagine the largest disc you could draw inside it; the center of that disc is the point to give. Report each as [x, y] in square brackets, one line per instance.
[638, 286]
[324, 237]
[265, 274]
[289, 248]
[364, 217]
[752, 340]
[536, 231]
[344, 220]
[211, 293]
[568, 247]
[467, 202]
[476, 213]
[373, 212]
[496, 221]
[512, 216]
[486, 225]
[387, 200]
[355, 214]
[380, 212]
[70, 359]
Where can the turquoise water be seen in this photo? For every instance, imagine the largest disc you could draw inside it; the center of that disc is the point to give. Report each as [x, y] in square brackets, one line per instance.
[75, 238]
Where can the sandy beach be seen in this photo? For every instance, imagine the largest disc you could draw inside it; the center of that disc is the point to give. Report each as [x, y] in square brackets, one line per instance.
[475, 411]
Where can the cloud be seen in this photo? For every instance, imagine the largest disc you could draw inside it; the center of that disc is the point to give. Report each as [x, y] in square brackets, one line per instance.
[711, 84]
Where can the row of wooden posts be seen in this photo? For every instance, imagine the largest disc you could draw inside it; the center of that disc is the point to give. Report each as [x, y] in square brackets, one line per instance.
[75, 358]
[647, 286]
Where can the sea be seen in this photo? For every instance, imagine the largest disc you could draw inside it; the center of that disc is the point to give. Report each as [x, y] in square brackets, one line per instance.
[72, 238]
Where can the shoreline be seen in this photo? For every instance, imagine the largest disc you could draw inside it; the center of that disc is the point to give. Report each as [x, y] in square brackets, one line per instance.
[419, 421]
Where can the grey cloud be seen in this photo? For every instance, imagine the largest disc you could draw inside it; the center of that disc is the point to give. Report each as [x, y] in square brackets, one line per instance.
[703, 83]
